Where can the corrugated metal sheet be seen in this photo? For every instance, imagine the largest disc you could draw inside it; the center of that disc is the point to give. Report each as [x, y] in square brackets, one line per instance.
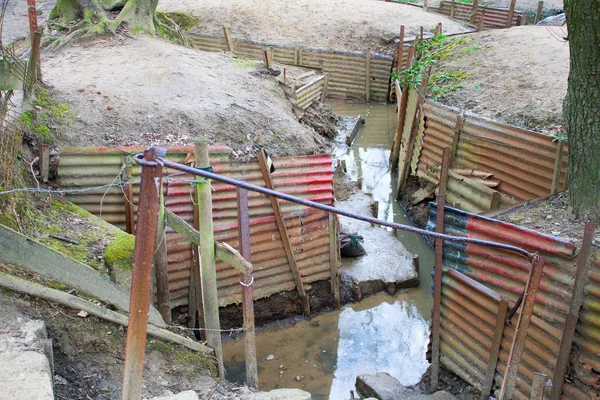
[585, 356]
[311, 93]
[522, 160]
[347, 70]
[493, 18]
[309, 177]
[409, 117]
[507, 274]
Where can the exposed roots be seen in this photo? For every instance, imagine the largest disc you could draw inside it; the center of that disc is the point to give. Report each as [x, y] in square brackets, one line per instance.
[86, 29]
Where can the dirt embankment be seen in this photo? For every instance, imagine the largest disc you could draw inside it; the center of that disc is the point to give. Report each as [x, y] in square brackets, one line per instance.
[147, 91]
[331, 24]
[516, 76]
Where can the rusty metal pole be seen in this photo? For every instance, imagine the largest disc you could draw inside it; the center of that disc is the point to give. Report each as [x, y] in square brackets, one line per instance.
[247, 296]
[437, 291]
[518, 345]
[142, 274]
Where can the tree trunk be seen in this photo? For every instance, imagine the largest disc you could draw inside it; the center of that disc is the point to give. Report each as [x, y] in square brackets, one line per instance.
[65, 11]
[138, 15]
[581, 107]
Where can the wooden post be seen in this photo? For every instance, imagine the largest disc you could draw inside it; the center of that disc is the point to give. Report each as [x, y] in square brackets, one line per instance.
[584, 265]
[496, 344]
[438, 29]
[334, 260]
[495, 201]
[521, 329]
[296, 56]
[558, 161]
[368, 76]
[452, 9]
[425, 6]
[325, 86]
[210, 298]
[196, 305]
[247, 296]
[481, 21]
[474, 11]
[437, 279]
[228, 39]
[395, 154]
[537, 386]
[511, 11]
[128, 198]
[262, 160]
[400, 55]
[421, 33]
[269, 57]
[161, 265]
[44, 162]
[455, 138]
[538, 14]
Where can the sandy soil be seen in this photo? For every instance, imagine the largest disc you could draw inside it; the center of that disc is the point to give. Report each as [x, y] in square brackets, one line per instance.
[148, 91]
[330, 24]
[518, 76]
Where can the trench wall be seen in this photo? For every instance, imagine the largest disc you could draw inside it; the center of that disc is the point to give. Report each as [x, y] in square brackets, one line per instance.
[469, 316]
[309, 177]
[352, 76]
[493, 18]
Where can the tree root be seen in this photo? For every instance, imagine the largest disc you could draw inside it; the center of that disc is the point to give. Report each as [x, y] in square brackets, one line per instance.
[86, 29]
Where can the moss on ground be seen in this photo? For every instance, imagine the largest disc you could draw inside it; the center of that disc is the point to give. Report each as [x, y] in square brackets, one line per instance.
[119, 253]
[46, 118]
[190, 362]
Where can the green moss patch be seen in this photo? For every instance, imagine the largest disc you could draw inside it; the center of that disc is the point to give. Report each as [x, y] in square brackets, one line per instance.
[46, 118]
[120, 252]
[190, 363]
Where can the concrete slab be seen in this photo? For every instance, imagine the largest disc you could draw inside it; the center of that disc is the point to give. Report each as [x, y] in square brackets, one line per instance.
[187, 395]
[387, 263]
[25, 371]
[279, 394]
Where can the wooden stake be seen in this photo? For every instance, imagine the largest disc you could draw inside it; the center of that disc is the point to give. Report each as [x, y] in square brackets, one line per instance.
[558, 161]
[325, 86]
[262, 160]
[474, 11]
[540, 9]
[128, 198]
[537, 386]
[452, 9]
[368, 76]
[161, 265]
[511, 11]
[455, 138]
[425, 7]
[228, 39]
[44, 162]
[207, 257]
[481, 21]
[421, 33]
[400, 55]
[334, 260]
[269, 57]
[196, 280]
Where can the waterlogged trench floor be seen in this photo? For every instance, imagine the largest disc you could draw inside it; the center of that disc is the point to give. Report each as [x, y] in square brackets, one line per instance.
[324, 355]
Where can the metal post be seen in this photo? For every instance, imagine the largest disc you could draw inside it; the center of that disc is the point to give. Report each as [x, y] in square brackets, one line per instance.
[437, 291]
[210, 299]
[161, 265]
[334, 259]
[128, 198]
[518, 344]
[247, 297]
[142, 274]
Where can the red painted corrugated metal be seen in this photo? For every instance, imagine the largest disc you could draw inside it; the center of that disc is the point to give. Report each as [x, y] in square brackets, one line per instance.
[308, 177]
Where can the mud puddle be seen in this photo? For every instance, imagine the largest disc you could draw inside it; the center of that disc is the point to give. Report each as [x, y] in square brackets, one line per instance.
[324, 355]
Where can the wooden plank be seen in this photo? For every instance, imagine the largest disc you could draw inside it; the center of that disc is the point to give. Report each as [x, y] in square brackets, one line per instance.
[325, 85]
[455, 138]
[350, 138]
[44, 162]
[207, 258]
[128, 198]
[538, 14]
[269, 57]
[400, 51]
[334, 260]
[558, 161]
[24, 252]
[474, 11]
[368, 76]
[196, 305]
[161, 264]
[262, 160]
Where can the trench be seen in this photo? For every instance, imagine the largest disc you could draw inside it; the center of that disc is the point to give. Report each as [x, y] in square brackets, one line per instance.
[383, 333]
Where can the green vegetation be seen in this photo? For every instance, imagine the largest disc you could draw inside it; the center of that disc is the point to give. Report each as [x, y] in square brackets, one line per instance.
[46, 118]
[120, 252]
[190, 363]
[435, 52]
[173, 25]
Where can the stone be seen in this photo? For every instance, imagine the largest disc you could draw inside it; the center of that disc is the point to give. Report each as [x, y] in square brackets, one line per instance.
[187, 395]
[555, 20]
[441, 395]
[279, 394]
[382, 386]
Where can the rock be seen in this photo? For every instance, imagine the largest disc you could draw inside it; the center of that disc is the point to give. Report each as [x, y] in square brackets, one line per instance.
[279, 394]
[555, 20]
[187, 395]
[382, 386]
[441, 395]
[270, 357]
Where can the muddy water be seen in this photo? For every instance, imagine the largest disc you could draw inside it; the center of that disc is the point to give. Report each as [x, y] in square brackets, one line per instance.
[382, 333]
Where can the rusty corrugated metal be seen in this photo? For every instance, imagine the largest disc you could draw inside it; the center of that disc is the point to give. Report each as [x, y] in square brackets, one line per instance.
[521, 160]
[347, 70]
[304, 176]
[507, 274]
[493, 18]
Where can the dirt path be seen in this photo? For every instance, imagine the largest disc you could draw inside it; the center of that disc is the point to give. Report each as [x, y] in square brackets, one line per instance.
[331, 24]
[149, 91]
[518, 76]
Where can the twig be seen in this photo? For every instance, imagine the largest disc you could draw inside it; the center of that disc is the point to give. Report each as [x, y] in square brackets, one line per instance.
[64, 239]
